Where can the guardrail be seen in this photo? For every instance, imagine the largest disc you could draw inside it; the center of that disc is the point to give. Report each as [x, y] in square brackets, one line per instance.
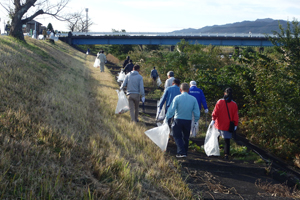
[260, 35]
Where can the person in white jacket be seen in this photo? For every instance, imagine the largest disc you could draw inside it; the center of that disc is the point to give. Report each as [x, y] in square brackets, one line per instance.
[103, 60]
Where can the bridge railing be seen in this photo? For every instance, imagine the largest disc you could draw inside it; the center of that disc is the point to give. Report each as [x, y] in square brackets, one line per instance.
[164, 34]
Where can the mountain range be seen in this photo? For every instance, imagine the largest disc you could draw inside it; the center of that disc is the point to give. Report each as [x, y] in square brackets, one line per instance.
[264, 26]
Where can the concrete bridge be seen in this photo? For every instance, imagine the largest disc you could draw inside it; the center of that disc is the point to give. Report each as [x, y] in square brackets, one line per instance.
[136, 38]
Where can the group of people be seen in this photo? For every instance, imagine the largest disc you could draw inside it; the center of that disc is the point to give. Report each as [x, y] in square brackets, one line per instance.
[182, 106]
[183, 103]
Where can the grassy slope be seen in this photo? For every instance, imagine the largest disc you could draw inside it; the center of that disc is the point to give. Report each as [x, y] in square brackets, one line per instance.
[60, 138]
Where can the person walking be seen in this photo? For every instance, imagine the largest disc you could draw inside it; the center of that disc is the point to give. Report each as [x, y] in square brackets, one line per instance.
[154, 75]
[44, 34]
[135, 90]
[169, 94]
[226, 110]
[199, 95]
[182, 108]
[128, 68]
[170, 79]
[126, 62]
[102, 59]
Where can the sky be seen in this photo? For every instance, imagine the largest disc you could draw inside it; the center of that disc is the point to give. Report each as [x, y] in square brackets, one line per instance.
[170, 15]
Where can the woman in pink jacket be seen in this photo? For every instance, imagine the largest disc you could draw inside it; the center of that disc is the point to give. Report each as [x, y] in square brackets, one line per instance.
[225, 111]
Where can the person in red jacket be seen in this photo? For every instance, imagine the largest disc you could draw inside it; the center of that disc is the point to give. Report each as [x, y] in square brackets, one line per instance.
[220, 118]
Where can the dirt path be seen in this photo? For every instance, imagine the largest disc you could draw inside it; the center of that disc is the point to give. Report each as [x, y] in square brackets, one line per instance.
[213, 177]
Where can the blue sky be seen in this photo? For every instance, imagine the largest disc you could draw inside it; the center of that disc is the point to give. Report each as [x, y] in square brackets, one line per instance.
[170, 15]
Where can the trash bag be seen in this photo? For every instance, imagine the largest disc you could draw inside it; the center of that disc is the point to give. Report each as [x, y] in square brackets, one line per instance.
[211, 143]
[159, 135]
[158, 81]
[122, 105]
[194, 129]
[97, 62]
[162, 113]
[121, 76]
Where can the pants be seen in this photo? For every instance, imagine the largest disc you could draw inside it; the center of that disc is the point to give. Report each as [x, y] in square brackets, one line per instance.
[101, 67]
[227, 146]
[134, 100]
[181, 133]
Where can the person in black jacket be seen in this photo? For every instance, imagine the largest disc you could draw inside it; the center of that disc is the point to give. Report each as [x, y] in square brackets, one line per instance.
[128, 68]
[126, 62]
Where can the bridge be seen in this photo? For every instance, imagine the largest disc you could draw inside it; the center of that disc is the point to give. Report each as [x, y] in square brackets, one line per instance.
[148, 38]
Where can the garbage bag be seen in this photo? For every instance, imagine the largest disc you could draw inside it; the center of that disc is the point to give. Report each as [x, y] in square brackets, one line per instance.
[211, 143]
[122, 105]
[194, 129]
[159, 135]
[158, 81]
[161, 116]
[97, 62]
[121, 76]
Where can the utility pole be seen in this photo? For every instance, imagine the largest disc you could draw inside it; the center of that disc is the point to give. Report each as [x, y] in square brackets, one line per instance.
[87, 19]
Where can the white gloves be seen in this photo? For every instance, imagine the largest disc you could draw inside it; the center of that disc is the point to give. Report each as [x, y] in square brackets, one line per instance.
[196, 124]
[121, 88]
[212, 122]
[143, 99]
[206, 110]
[235, 128]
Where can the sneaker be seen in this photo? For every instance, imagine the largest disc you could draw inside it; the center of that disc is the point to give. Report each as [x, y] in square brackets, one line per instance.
[180, 156]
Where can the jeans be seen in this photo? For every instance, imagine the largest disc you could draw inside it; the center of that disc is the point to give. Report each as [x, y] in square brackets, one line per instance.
[181, 133]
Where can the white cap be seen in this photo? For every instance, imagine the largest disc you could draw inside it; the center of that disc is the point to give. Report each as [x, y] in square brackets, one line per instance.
[193, 83]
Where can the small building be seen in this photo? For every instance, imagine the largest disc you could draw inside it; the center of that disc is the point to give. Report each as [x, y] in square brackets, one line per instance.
[32, 25]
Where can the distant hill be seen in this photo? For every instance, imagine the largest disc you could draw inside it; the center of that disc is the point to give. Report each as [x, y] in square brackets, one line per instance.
[258, 26]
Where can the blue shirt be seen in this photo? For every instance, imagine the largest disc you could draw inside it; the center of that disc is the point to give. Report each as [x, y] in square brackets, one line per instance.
[169, 95]
[183, 106]
[199, 95]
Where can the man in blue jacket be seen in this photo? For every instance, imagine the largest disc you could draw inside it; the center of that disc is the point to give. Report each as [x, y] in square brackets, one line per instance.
[182, 108]
[199, 95]
[169, 95]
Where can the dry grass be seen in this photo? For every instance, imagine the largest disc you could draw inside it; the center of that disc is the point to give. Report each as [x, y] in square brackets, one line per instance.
[60, 138]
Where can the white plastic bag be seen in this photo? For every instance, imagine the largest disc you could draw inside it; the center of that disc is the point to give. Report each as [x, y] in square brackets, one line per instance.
[122, 105]
[160, 135]
[121, 76]
[158, 81]
[211, 143]
[161, 116]
[97, 62]
[194, 129]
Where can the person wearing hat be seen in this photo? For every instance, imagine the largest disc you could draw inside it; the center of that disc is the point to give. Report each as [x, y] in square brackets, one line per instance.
[170, 79]
[199, 95]
[182, 108]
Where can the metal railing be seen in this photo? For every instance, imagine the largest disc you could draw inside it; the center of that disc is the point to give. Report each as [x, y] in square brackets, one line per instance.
[256, 35]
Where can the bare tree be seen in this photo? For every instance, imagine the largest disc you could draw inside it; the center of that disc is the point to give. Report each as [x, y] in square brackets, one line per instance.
[23, 11]
[77, 22]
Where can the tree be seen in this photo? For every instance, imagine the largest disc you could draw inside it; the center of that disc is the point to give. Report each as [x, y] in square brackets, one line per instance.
[50, 27]
[24, 11]
[77, 22]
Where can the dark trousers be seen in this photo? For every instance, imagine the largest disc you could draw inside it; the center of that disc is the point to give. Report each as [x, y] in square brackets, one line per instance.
[181, 133]
[227, 146]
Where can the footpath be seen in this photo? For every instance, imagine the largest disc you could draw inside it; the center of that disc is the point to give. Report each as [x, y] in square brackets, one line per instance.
[213, 177]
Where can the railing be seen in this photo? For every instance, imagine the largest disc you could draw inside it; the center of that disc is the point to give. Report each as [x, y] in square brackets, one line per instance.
[256, 35]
